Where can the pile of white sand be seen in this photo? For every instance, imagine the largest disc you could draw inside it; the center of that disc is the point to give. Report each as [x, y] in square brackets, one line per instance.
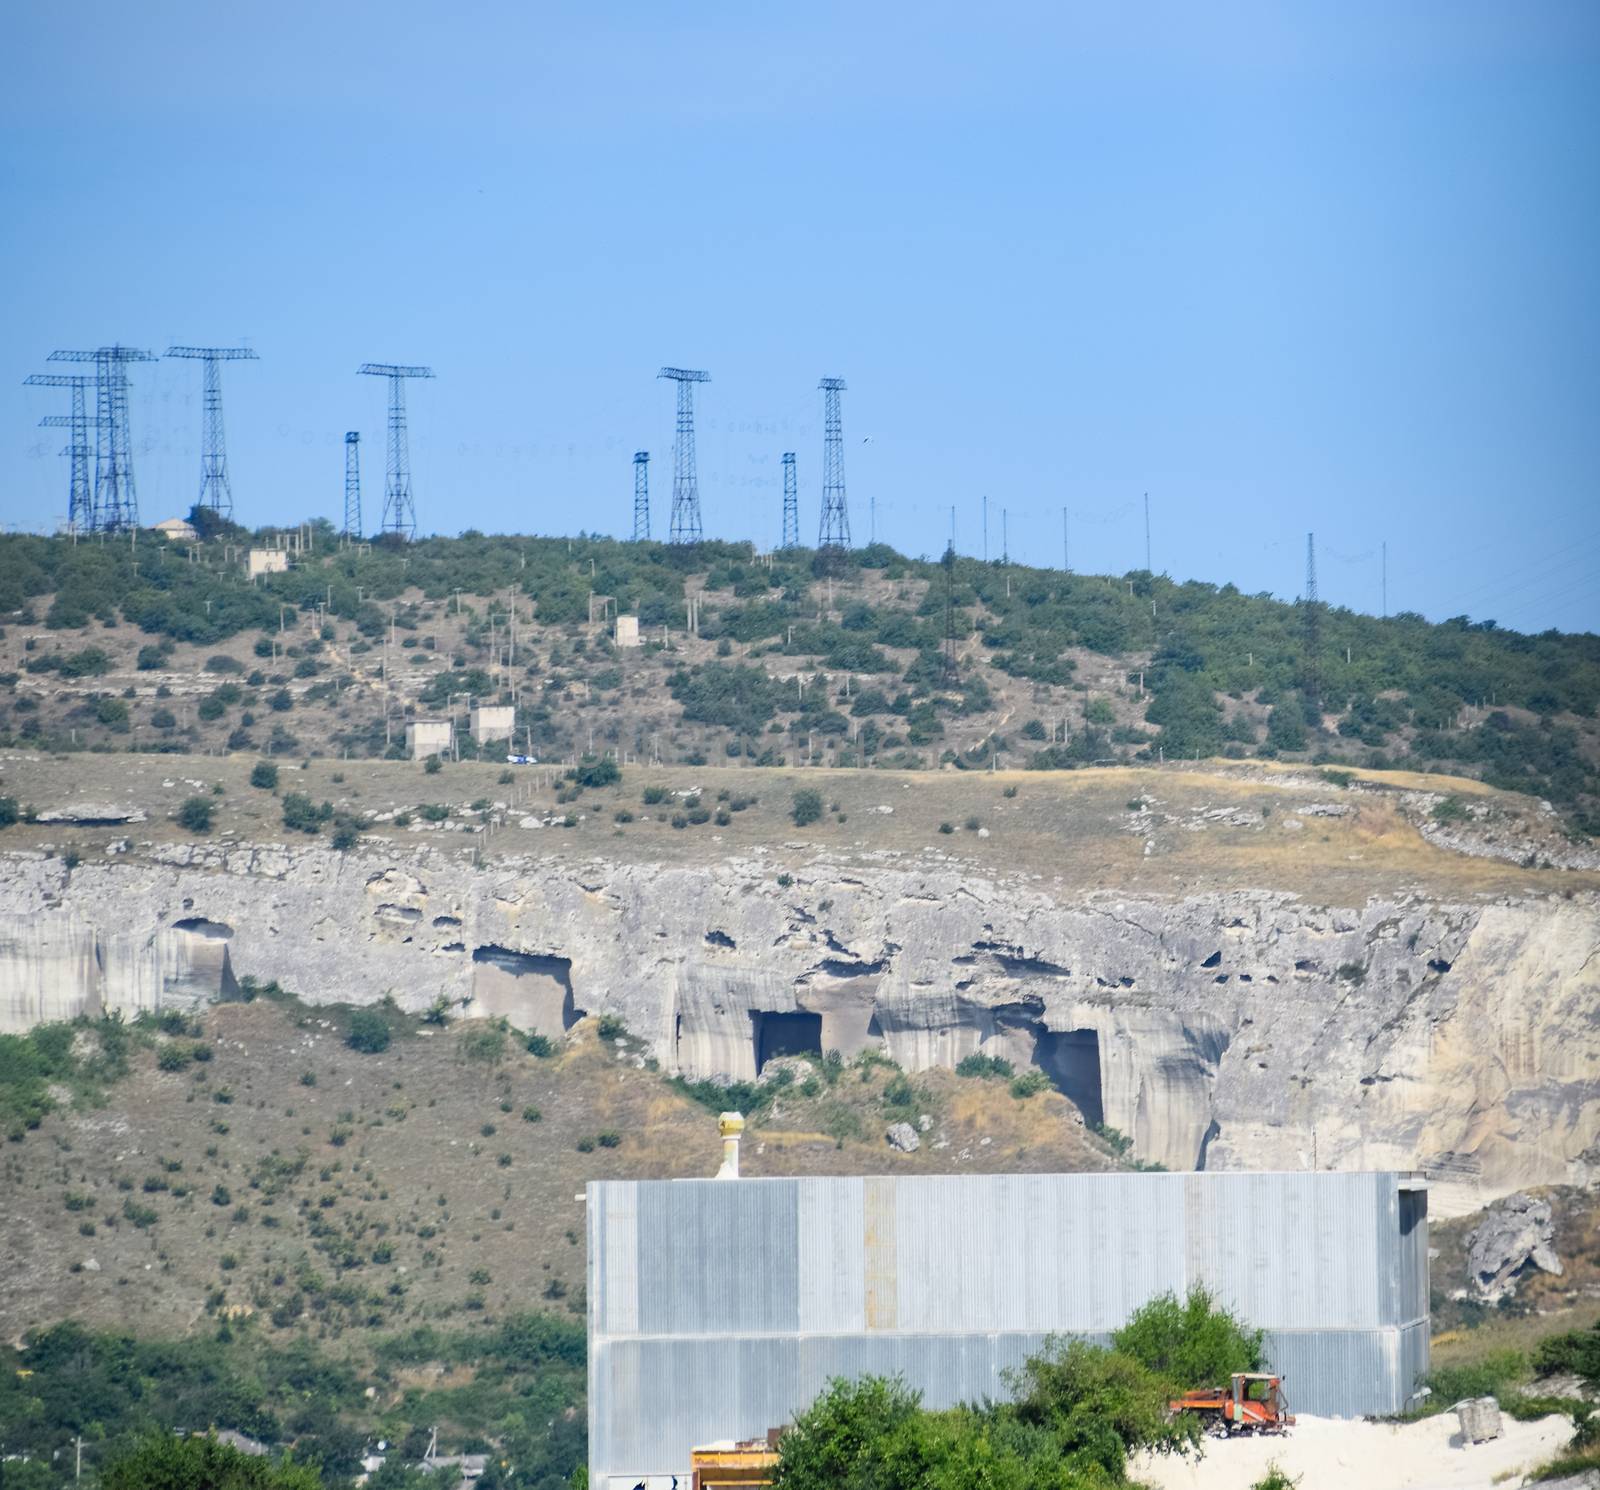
[1336, 1454]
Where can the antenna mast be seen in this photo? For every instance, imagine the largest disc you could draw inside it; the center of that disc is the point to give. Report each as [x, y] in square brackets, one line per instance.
[352, 485]
[835, 532]
[685, 523]
[1313, 625]
[791, 503]
[399, 511]
[641, 496]
[116, 499]
[80, 495]
[215, 491]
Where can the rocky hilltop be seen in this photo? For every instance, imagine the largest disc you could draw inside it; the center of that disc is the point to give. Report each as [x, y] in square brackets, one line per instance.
[1446, 1025]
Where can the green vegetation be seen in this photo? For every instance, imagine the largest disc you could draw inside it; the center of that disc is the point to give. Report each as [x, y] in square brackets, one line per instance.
[53, 1055]
[194, 816]
[1463, 695]
[1078, 1412]
[264, 775]
[806, 807]
[369, 1032]
[522, 1379]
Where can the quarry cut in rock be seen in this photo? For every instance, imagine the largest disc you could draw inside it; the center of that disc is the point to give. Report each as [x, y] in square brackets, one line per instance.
[1249, 1029]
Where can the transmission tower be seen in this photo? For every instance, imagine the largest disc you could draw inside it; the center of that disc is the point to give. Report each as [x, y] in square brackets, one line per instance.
[116, 498]
[215, 492]
[641, 496]
[1313, 625]
[791, 503]
[352, 485]
[685, 526]
[835, 531]
[80, 495]
[399, 511]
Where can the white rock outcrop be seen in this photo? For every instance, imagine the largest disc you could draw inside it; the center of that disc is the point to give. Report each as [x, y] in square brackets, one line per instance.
[1248, 1029]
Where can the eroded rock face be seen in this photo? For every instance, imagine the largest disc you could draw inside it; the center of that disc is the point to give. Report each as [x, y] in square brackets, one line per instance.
[1237, 1030]
[1516, 1235]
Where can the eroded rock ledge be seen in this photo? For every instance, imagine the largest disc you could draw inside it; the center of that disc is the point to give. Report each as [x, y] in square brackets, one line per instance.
[1232, 1030]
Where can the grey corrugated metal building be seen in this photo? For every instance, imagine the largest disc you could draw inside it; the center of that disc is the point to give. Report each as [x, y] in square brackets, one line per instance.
[718, 1309]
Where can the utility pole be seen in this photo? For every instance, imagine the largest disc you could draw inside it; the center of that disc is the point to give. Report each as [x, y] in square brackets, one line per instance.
[116, 498]
[791, 503]
[80, 495]
[399, 510]
[641, 496]
[215, 491]
[1005, 536]
[835, 530]
[685, 524]
[352, 486]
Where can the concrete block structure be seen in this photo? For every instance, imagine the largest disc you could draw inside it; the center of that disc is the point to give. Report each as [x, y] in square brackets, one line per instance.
[268, 561]
[492, 722]
[425, 737]
[721, 1308]
[627, 631]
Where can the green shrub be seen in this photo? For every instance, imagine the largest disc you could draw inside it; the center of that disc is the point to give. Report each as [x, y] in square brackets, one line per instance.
[194, 815]
[541, 1046]
[1193, 1341]
[595, 773]
[369, 1032]
[264, 775]
[806, 807]
[978, 1064]
[610, 1028]
[609, 1139]
[302, 815]
[531, 1114]
[1029, 1084]
[432, 766]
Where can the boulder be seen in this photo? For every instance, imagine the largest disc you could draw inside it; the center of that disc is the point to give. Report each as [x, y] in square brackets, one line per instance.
[1516, 1235]
[903, 1136]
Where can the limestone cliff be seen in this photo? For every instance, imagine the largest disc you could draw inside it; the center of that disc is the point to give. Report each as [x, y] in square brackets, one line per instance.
[1235, 1029]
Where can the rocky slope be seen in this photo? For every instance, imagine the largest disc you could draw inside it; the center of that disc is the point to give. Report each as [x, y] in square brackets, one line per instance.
[1450, 1028]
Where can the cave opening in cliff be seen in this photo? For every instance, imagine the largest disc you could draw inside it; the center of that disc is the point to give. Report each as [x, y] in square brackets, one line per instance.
[533, 990]
[1071, 1059]
[799, 1033]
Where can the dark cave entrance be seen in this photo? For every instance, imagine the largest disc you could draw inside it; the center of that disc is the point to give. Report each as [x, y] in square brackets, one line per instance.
[786, 1034]
[1071, 1059]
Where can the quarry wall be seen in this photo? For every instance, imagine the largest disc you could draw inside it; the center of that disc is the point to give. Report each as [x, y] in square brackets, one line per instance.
[1249, 1029]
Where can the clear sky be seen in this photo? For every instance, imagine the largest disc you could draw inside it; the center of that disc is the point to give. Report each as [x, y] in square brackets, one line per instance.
[1330, 266]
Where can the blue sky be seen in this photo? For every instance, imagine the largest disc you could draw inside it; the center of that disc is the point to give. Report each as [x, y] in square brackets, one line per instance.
[1283, 266]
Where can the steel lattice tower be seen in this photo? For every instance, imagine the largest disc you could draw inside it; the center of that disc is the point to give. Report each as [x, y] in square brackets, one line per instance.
[791, 503]
[116, 498]
[352, 485]
[1313, 624]
[685, 525]
[215, 492]
[835, 530]
[399, 511]
[80, 494]
[641, 496]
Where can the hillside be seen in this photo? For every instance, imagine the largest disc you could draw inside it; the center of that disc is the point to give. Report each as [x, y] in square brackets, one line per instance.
[867, 659]
[359, 1243]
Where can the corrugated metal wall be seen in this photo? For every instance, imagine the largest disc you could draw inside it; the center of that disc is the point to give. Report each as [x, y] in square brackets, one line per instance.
[719, 1309]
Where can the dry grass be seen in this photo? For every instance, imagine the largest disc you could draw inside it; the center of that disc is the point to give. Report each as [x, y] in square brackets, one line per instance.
[412, 1121]
[1073, 830]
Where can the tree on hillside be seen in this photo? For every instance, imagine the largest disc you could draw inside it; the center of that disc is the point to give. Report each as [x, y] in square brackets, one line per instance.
[165, 1462]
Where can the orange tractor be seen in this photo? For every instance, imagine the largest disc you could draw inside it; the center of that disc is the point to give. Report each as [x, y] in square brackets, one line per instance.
[1251, 1403]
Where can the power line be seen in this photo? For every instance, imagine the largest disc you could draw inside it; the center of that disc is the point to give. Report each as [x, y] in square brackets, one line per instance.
[685, 523]
[215, 490]
[399, 510]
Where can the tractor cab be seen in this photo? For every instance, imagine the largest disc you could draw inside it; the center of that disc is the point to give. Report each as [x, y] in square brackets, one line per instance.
[1252, 1402]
